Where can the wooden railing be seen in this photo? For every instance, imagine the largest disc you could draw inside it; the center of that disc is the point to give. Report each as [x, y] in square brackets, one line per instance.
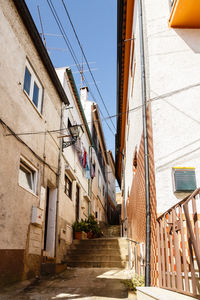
[178, 235]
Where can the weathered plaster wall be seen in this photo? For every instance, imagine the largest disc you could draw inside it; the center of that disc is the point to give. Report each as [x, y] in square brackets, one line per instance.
[18, 112]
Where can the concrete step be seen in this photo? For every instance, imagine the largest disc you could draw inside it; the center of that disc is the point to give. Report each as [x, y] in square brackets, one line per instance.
[102, 253]
[94, 258]
[154, 293]
[111, 231]
[102, 264]
[112, 241]
[108, 251]
[99, 247]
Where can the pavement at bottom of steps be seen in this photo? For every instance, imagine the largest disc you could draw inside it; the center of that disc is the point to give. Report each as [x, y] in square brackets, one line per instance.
[74, 283]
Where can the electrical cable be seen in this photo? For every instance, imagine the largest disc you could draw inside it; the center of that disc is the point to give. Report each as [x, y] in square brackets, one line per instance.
[21, 141]
[116, 115]
[159, 97]
[52, 8]
[55, 15]
[76, 35]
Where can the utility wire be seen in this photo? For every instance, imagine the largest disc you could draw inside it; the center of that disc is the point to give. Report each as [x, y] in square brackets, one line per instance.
[159, 97]
[76, 35]
[52, 8]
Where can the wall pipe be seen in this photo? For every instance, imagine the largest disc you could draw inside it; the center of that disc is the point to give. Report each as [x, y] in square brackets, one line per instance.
[146, 152]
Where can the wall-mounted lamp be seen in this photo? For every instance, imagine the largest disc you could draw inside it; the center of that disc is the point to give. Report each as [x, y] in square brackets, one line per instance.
[74, 134]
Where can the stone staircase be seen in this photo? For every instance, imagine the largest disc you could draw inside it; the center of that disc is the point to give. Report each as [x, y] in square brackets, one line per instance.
[98, 253]
[110, 230]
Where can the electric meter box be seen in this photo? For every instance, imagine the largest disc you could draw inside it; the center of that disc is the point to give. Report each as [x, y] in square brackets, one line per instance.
[37, 216]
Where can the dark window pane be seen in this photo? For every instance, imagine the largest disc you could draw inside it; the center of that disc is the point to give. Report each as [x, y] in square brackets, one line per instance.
[68, 187]
[35, 94]
[27, 81]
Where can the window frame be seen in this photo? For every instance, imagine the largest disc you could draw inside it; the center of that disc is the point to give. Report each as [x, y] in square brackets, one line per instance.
[27, 166]
[68, 192]
[34, 81]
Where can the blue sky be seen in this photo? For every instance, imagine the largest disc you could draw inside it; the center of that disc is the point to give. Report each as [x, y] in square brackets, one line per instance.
[95, 22]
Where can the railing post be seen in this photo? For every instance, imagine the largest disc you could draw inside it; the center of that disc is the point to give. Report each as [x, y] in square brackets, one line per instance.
[159, 255]
[177, 253]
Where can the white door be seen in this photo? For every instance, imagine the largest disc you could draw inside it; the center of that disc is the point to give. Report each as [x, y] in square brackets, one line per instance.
[51, 223]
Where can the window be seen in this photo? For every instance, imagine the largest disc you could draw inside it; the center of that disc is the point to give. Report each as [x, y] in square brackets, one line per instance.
[99, 180]
[68, 187]
[32, 87]
[184, 179]
[103, 190]
[27, 176]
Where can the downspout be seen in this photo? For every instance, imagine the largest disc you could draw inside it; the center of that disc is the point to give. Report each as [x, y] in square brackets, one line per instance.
[58, 180]
[146, 152]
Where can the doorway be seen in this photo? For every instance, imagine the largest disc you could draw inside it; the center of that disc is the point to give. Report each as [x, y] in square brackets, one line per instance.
[50, 222]
[77, 201]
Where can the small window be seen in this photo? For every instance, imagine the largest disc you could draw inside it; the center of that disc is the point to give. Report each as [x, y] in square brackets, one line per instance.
[32, 87]
[184, 179]
[27, 176]
[99, 180]
[68, 187]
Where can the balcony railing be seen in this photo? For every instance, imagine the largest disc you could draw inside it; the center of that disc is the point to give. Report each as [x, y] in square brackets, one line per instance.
[178, 235]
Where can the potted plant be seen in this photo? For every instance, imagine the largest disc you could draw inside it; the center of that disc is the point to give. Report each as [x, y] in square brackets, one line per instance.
[93, 230]
[79, 230]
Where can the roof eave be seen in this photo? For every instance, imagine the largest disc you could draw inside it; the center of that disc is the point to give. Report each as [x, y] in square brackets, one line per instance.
[37, 41]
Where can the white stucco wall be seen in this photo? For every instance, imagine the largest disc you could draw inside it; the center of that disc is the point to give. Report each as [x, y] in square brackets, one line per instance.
[20, 114]
[173, 64]
[70, 155]
[134, 126]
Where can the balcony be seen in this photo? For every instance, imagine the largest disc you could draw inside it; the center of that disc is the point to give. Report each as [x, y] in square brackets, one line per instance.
[185, 14]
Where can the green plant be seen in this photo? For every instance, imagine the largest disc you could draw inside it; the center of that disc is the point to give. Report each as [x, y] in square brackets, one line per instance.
[131, 284]
[79, 226]
[93, 226]
[88, 225]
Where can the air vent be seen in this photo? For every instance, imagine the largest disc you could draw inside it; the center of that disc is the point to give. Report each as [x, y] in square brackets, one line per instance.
[184, 179]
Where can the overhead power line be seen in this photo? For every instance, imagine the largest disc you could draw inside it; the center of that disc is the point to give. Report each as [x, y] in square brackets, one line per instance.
[57, 19]
[159, 97]
[76, 35]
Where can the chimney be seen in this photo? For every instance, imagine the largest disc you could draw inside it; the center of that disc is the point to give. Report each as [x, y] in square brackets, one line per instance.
[84, 94]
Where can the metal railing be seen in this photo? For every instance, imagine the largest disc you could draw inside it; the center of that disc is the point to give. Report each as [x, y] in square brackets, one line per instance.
[178, 236]
[136, 257]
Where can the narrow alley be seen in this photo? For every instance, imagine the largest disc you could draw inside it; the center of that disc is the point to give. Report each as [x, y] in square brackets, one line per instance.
[100, 149]
[73, 283]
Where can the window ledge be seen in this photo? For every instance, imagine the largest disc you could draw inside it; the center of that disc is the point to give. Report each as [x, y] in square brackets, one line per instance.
[27, 190]
[29, 99]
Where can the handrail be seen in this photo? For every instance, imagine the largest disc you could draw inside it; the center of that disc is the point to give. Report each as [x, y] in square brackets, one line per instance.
[174, 206]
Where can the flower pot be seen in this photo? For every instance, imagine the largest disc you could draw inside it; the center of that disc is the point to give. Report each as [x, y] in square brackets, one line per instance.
[80, 235]
[90, 235]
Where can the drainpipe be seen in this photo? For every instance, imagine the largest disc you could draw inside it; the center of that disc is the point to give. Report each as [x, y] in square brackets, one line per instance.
[146, 153]
[58, 180]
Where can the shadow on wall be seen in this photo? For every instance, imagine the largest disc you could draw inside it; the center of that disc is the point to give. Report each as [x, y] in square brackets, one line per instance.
[191, 37]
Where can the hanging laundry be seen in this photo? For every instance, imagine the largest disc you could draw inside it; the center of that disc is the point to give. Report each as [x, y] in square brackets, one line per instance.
[84, 159]
[87, 168]
[92, 170]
